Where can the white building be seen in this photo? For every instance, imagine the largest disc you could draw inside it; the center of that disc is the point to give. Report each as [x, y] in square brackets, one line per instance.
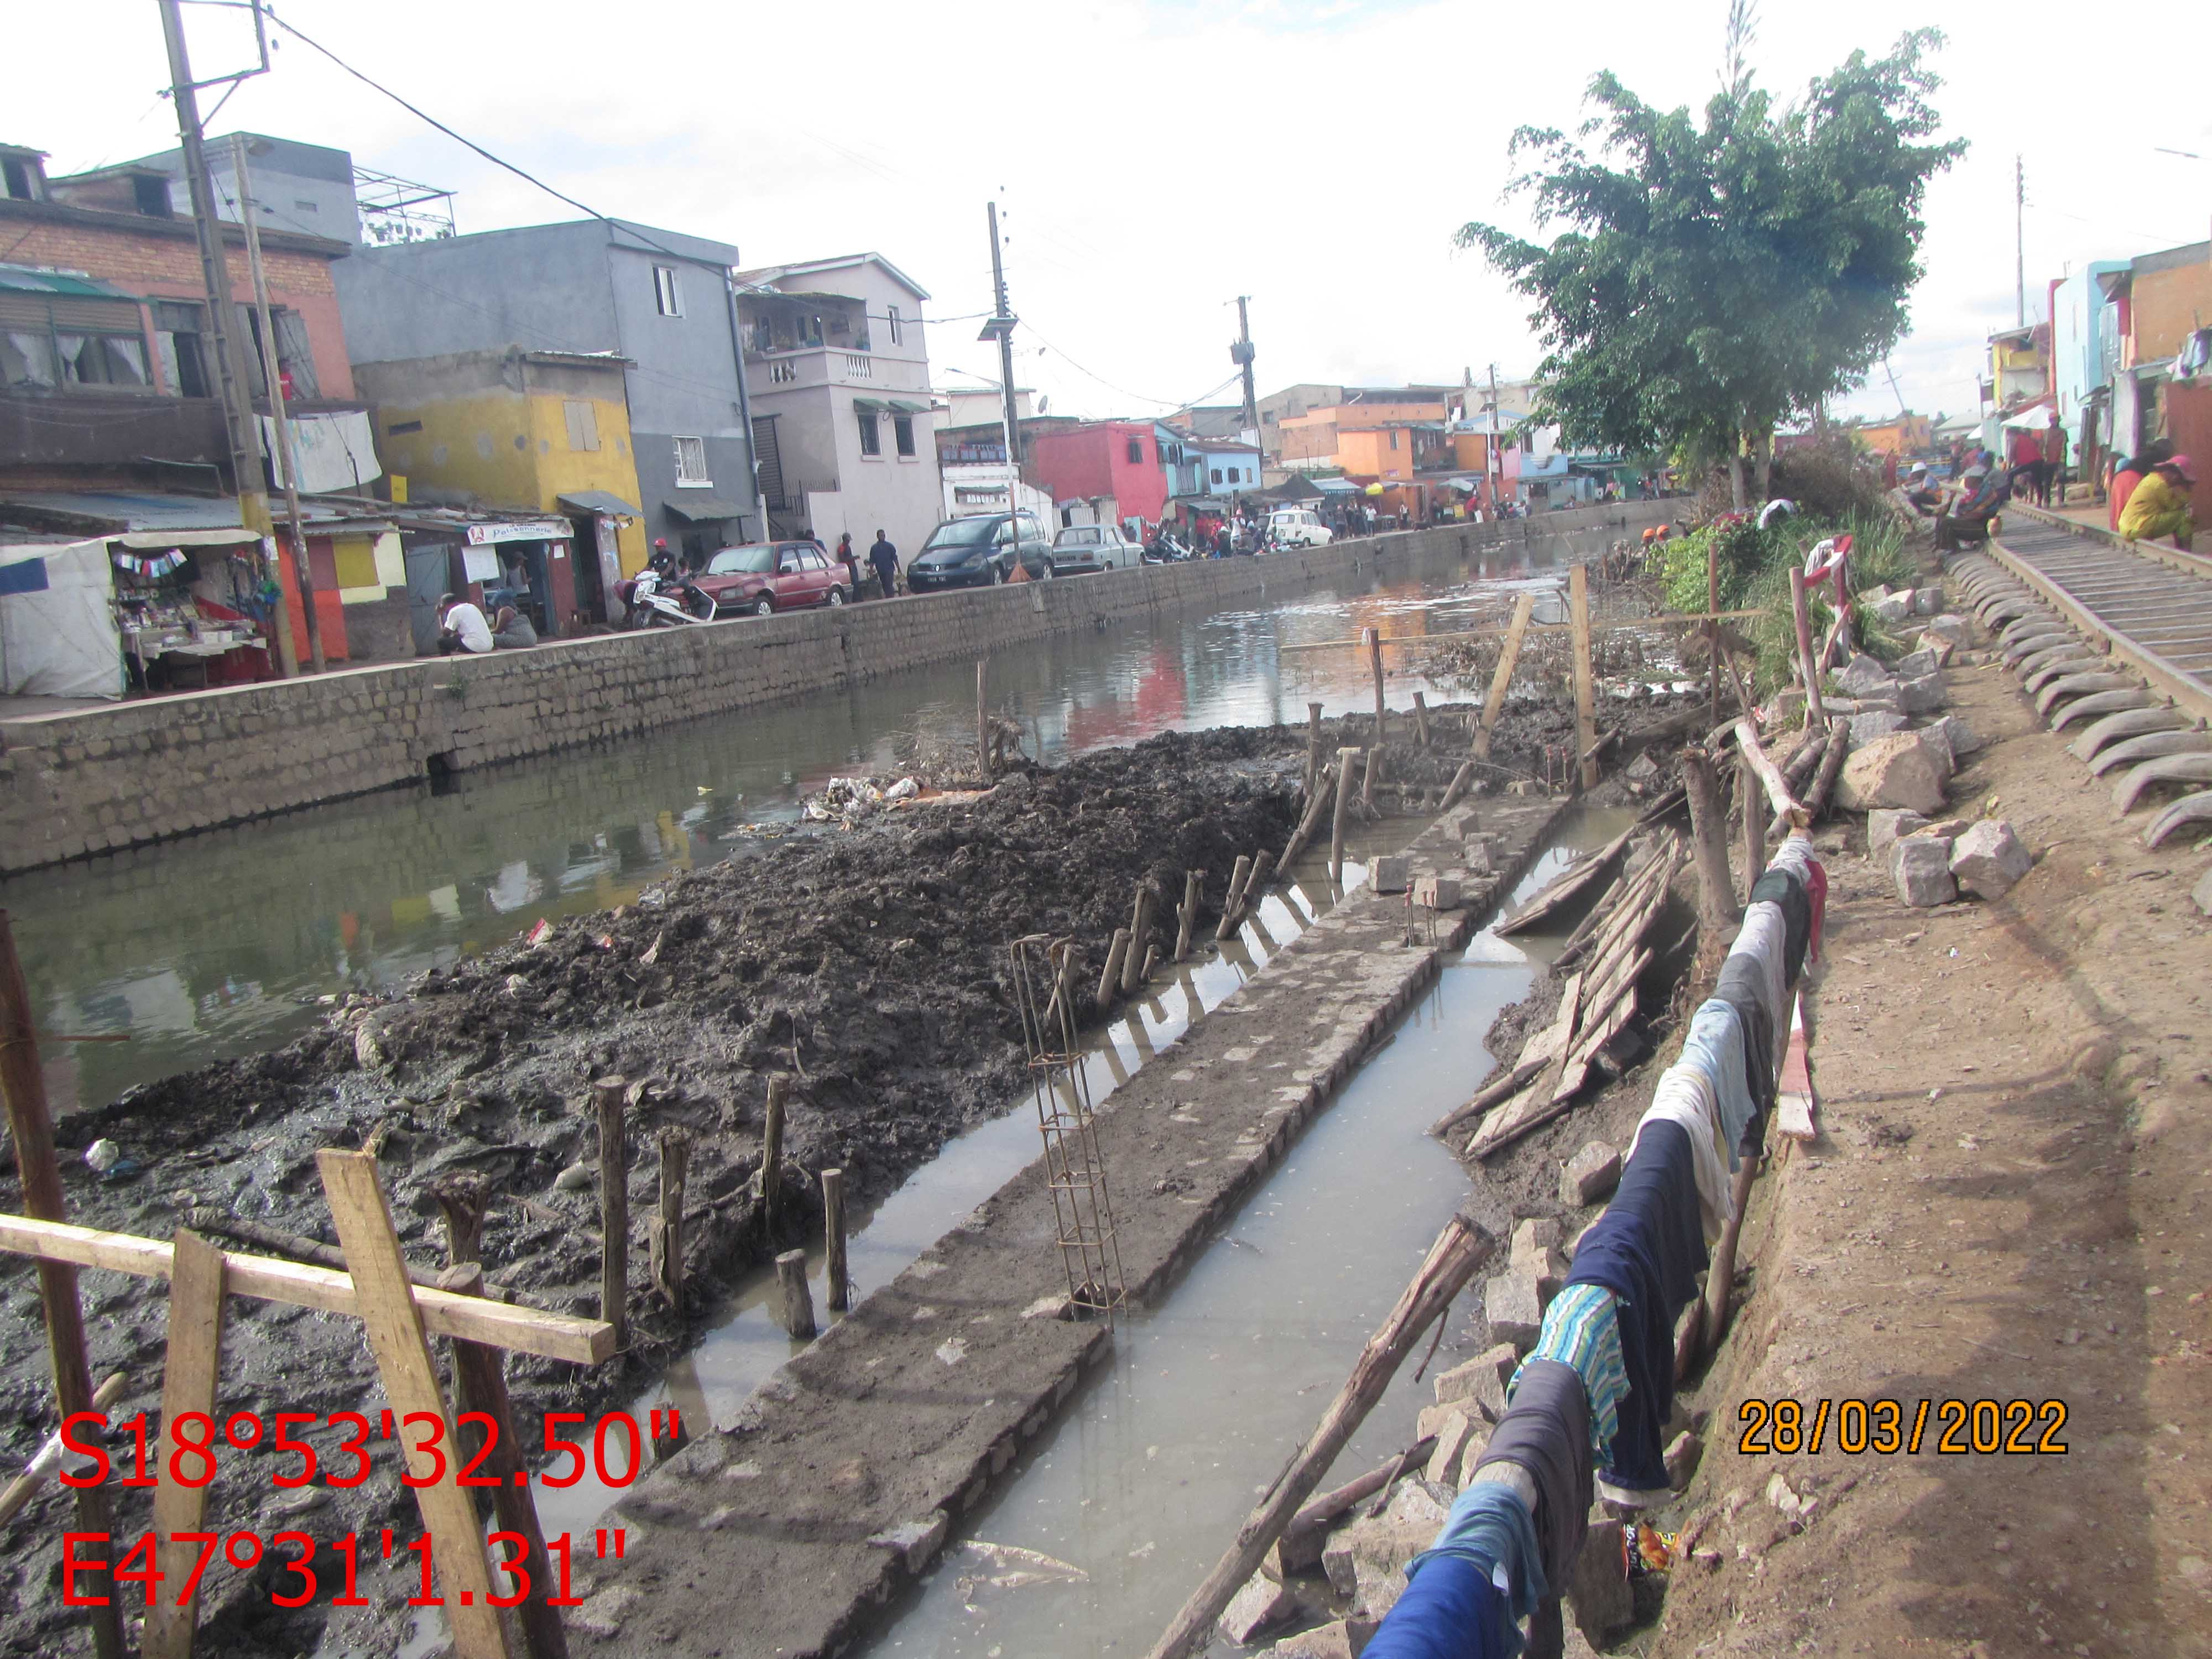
[838, 371]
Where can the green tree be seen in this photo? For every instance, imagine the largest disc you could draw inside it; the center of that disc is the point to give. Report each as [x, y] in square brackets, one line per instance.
[1716, 276]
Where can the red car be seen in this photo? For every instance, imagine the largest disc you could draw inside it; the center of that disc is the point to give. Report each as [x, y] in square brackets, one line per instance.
[766, 577]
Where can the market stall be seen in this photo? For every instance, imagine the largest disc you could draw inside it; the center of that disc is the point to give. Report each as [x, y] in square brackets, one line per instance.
[57, 636]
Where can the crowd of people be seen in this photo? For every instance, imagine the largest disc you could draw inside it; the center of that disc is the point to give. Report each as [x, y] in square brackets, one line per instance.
[2147, 494]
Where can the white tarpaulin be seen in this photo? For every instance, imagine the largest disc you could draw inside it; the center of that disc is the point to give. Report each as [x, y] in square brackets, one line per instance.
[336, 451]
[57, 636]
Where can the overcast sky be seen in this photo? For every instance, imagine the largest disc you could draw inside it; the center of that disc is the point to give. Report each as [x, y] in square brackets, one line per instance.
[1155, 158]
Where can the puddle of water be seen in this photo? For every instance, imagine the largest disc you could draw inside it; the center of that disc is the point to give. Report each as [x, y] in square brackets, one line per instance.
[1157, 1461]
[218, 945]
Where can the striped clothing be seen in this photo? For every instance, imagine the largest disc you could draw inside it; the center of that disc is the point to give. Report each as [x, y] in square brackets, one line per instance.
[1582, 1329]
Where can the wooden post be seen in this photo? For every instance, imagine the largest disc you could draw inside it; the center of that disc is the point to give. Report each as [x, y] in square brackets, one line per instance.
[1140, 929]
[797, 1298]
[1316, 806]
[1753, 805]
[1345, 760]
[1313, 748]
[833, 1235]
[1460, 1249]
[1187, 917]
[1460, 780]
[1369, 777]
[983, 717]
[1814, 714]
[1717, 914]
[463, 1201]
[668, 1226]
[1112, 977]
[1255, 889]
[396, 1340]
[1152, 961]
[188, 1379]
[614, 1207]
[1712, 608]
[480, 1385]
[1585, 683]
[23, 1084]
[1515, 630]
[771, 1170]
[1421, 718]
[25, 1486]
[1720, 1283]
[1232, 905]
[1374, 664]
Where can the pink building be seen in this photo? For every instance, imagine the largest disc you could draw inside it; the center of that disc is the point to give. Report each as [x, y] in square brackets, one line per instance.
[1116, 462]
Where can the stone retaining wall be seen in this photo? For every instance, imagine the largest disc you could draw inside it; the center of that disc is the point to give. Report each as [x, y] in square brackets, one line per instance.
[76, 785]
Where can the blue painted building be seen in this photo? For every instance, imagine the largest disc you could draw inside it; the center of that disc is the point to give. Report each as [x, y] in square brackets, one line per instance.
[2085, 353]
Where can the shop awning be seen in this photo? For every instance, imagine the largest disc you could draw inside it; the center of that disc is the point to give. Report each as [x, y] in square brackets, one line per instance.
[874, 405]
[700, 509]
[147, 541]
[905, 408]
[597, 501]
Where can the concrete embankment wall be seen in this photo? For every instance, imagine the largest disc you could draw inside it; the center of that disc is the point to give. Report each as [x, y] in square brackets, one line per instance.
[76, 785]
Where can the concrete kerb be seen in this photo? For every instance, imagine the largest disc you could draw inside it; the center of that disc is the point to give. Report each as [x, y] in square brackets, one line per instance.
[933, 1432]
[193, 761]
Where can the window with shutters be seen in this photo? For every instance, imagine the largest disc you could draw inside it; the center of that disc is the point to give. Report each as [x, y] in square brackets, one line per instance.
[583, 424]
[691, 464]
[52, 342]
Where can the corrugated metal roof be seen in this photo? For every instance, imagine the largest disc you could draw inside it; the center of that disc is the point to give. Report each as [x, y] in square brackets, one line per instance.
[26, 279]
[137, 511]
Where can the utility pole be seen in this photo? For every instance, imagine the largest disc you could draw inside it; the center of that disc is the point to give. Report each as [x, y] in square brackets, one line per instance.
[2020, 235]
[1241, 355]
[229, 349]
[287, 473]
[1001, 326]
[1497, 432]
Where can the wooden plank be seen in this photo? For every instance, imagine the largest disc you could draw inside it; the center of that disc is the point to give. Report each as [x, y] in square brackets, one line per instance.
[1629, 625]
[188, 1382]
[1515, 632]
[501, 1325]
[1489, 1095]
[1565, 886]
[1460, 1249]
[1585, 681]
[1531, 1106]
[393, 1325]
[25, 1486]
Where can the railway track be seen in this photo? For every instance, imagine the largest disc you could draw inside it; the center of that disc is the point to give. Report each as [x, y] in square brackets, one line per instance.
[2112, 640]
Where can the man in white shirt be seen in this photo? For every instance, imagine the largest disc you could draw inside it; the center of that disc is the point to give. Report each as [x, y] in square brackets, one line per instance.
[461, 627]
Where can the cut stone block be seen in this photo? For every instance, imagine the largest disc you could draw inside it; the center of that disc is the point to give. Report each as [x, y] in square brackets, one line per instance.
[916, 1541]
[1597, 1590]
[1391, 872]
[1895, 608]
[1989, 859]
[1682, 1456]
[1946, 626]
[1922, 866]
[1590, 1174]
[1892, 771]
[1922, 696]
[1960, 738]
[1938, 742]
[1481, 1381]
[1914, 664]
[1864, 677]
[1927, 601]
[1885, 826]
[1532, 1238]
[1880, 723]
[1436, 892]
[1341, 1639]
[1451, 1444]
[1261, 1603]
[1514, 1306]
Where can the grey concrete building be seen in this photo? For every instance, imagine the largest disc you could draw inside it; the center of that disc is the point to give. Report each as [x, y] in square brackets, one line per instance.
[658, 298]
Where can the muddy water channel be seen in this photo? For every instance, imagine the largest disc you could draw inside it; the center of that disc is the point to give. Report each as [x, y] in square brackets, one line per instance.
[220, 944]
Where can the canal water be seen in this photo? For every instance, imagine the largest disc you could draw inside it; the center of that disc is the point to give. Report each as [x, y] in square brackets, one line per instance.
[221, 944]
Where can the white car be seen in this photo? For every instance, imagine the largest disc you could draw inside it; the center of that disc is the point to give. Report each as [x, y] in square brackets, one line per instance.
[1083, 547]
[1299, 526]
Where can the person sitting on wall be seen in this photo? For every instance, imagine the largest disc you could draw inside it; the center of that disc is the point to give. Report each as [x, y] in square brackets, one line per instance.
[461, 627]
[511, 630]
[2161, 504]
[1985, 492]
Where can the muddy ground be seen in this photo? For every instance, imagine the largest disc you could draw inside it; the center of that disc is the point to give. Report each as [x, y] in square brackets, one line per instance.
[870, 964]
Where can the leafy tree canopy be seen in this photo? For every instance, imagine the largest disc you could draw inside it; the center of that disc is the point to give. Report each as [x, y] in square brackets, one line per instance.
[1715, 276]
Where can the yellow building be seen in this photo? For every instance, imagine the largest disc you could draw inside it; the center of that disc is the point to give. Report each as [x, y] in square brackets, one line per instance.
[520, 431]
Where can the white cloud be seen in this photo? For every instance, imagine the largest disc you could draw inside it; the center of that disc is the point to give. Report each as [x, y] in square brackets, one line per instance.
[1155, 159]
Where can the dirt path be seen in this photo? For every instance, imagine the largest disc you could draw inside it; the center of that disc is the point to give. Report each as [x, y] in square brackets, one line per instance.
[2008, 1204]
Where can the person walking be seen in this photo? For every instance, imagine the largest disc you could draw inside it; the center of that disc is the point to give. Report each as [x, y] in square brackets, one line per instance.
[885, 557]
[851, 561]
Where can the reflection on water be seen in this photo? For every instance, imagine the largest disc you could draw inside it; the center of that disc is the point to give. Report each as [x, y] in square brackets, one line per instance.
[217, 945]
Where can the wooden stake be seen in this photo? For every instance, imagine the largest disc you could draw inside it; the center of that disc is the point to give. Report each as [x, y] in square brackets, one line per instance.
[1515, 630]
[1313, 749]
[1141, 931]
[1255, 889]
[1345, 760]
[668, 1226]
[480, 1386]
[1832, 763]
[1720, 1283]
[1460, 1249]
[1112, 976]
[1717, 912]
[983, 717]
[771, 1170]
[402, 1351]
[1370, 777]
[1151, 961]
[1460, 780]
[797, 1298]
[463, 1201]
[1586, 683]
[1316, 807]
[24, 1086]
[1755, 829]
[614, 1207]
[1713, 629]
[25, 1486]
[833, 1235]
[1815, 715]
[1490, 1094]
[1421, 718]
[188, 1381]
[1187, 916]
[1374, 639]
[1232, 906]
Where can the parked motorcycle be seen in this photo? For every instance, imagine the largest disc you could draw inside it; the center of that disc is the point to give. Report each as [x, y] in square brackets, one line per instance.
[1166, 549]
[662, 596]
